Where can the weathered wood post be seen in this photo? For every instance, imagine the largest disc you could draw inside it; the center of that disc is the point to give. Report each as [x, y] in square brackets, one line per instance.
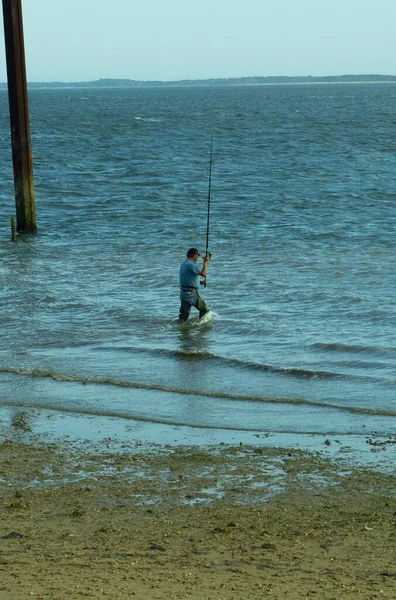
[19, 116]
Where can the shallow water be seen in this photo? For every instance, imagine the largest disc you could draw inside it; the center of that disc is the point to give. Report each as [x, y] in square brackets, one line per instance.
[300, 284]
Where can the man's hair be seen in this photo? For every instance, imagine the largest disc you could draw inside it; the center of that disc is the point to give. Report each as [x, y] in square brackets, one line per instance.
[191, 252]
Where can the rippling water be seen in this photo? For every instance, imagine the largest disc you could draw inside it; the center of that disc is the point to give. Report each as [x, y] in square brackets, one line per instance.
[301, 283]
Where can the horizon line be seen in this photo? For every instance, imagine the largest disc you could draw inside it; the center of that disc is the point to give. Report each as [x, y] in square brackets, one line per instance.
[211, 79]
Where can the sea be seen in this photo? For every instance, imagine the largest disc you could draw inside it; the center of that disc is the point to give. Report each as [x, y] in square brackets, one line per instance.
[299, 347]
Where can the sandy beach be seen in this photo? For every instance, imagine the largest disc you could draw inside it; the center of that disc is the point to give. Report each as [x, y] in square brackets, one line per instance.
[152, 521]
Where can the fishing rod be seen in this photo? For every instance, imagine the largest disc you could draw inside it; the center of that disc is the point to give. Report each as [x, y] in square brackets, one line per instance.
[209, 191]
[207, 253]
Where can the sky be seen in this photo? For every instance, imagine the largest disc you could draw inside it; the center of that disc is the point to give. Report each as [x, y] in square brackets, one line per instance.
[168, 40]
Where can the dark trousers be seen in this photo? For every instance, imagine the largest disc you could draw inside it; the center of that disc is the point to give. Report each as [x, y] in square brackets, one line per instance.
[197, 302]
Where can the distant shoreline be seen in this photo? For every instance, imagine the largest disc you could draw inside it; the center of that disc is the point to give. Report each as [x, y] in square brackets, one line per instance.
[217, 82]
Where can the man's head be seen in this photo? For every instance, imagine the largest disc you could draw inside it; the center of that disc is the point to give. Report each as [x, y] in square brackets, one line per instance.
[193, 254]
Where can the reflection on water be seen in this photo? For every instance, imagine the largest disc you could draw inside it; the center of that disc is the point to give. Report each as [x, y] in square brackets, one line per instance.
[194, 343]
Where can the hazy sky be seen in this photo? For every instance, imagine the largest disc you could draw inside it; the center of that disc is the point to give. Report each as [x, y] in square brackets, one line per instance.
[84, 40]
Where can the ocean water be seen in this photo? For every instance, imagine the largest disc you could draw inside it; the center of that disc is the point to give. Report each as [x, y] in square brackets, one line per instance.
[301, 284]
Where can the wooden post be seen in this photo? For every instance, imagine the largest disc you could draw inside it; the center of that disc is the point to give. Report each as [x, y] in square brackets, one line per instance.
[19, 117]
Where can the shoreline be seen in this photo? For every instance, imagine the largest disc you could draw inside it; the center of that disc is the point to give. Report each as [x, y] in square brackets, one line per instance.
[28, 424]
[80, 519]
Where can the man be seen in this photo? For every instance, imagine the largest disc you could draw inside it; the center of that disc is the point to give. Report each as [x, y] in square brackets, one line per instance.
[189, 295]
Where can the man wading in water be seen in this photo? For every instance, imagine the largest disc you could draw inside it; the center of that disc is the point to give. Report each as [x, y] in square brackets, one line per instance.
[189, 295]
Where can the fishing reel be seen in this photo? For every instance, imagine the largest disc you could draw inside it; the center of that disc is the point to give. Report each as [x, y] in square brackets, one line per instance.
[204, 281]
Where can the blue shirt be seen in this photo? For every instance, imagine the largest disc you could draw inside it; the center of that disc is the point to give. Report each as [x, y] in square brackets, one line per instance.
[188, 276]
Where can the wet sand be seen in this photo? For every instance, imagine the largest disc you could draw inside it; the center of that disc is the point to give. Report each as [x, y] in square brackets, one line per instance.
[152, 521]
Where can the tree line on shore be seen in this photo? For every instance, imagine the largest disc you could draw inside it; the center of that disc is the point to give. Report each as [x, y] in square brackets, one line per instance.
[128, 83]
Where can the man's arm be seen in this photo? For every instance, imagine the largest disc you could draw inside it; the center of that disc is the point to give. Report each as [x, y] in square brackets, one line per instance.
[204, 271]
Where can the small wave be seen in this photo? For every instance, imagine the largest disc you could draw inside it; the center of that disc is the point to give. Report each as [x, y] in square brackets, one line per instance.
[174, 423]
[242, 364]
[352, 348]
[147, 119]
[109, 381]
[118, 415]
[293, 371]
